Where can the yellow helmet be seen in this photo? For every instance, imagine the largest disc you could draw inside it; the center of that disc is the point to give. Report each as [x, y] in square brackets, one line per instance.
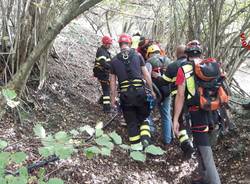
[152, 49]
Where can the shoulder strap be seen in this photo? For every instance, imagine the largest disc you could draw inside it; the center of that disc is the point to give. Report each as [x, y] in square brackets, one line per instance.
[125, 57]
[189, 74]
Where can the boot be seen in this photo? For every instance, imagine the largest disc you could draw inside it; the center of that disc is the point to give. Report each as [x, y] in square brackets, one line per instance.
[187, 148]
[146, 141]
[106, 108]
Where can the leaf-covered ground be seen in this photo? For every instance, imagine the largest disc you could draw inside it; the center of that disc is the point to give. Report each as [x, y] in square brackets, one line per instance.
[68, 101]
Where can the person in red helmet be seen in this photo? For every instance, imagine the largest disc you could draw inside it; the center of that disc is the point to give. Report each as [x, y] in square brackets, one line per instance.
[129, 68]
[199, 86]
[101, 71]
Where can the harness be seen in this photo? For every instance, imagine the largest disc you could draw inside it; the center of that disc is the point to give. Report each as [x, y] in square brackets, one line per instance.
[132, 91]
[132, 82]
[135, 83]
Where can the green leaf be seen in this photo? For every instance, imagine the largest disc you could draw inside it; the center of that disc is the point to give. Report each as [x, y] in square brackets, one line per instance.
[137, 147]
[64, 152]
[88, 129]
[24, 172]
[138, 156]
[90, 154]
[10, 179]
[2, 180]
[74, 132]
[61, 136]
[98, 132]
[41, 174]
[124, 146]
[4, 158]
[116, 138]
[154, 150]
[48, 141]
[9, 94]
[46, 151]
[39, 131]
[3, 144]
[99, 125]
[21, 180]
[105, 151]
[18, 157]
[91, 151]
[55, 181]
[104, 141]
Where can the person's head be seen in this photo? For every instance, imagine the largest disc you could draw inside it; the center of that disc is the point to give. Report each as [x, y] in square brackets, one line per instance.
[180, 51]
[107, 41]
[153, 50]
[193, 49]
[125, 41]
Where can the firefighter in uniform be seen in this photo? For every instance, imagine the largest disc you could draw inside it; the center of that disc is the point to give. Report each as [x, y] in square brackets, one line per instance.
[102, 69]
[200, 118]
[129, 68]
[168, 80]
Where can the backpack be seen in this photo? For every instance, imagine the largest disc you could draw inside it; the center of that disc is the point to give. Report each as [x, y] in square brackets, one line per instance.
[209, 82]
[159, 62]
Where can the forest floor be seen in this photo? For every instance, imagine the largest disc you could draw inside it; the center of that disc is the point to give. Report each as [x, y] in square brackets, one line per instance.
[69, 101]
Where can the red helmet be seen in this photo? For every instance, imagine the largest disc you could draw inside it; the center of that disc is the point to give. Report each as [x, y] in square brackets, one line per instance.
[193, 47]
[125, 38]
[106, 40]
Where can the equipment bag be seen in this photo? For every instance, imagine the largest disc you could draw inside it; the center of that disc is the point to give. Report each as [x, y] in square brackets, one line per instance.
[133, 97]
[209, 81]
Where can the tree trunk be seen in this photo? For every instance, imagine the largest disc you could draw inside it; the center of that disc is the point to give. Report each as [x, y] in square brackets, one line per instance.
[71, 11]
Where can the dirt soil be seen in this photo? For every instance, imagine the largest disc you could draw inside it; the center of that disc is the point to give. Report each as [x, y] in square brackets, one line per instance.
[69, 100]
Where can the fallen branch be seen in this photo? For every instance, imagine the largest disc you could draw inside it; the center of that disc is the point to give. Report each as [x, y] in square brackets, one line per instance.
[47, 175]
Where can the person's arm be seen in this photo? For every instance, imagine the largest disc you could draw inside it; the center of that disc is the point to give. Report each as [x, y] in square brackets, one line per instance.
[113, 89]
[103, 59]
[104, 62]
[160, 80]
[149, 68]
[179, 99]
[147, 77]
[179, 102]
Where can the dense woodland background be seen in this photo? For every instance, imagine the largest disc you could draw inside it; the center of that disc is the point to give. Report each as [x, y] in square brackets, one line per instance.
[28, 28]
[47, 50]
